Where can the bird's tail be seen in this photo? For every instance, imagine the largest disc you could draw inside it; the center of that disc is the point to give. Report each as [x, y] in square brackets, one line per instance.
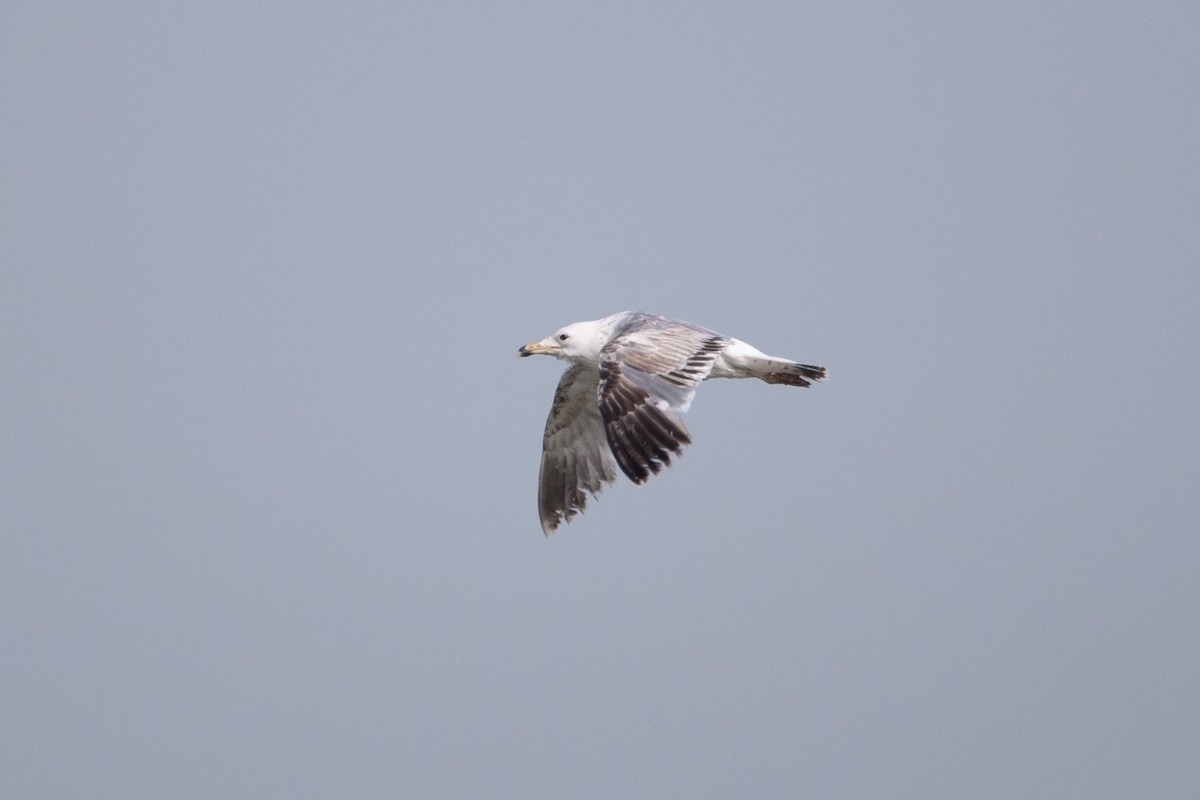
[788, 373]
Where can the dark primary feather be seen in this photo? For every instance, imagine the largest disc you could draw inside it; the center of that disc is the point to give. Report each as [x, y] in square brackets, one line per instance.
[641, 435]
[648, 374]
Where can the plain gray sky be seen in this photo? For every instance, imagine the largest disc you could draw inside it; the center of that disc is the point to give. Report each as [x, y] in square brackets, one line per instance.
[268, 459]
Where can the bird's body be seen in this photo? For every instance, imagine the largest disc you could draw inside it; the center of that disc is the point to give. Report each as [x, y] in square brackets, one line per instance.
[631, 376]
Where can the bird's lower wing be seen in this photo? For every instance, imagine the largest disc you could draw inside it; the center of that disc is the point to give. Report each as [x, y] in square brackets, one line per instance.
[575, 452]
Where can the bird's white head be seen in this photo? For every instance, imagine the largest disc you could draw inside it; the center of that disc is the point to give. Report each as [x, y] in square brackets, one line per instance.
[578, 342]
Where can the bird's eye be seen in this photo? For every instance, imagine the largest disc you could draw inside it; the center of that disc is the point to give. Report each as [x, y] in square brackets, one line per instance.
[562, 337]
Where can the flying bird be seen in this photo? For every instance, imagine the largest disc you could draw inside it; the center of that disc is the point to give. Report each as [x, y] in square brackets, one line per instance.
[619, 403]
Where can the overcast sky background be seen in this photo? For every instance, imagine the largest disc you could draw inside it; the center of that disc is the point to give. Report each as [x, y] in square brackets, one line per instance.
[268, 460]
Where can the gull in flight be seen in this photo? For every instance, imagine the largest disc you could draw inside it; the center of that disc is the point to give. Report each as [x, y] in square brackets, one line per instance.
[619, 403]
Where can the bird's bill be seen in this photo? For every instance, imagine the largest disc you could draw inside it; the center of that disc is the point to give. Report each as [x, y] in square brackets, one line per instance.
[538, 348]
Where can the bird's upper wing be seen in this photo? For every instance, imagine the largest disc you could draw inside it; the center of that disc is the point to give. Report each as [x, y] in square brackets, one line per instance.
[647, 377]
[575, 455]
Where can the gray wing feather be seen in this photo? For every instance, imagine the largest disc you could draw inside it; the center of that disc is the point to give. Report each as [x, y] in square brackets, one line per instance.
[575, 454]
[648, 375]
